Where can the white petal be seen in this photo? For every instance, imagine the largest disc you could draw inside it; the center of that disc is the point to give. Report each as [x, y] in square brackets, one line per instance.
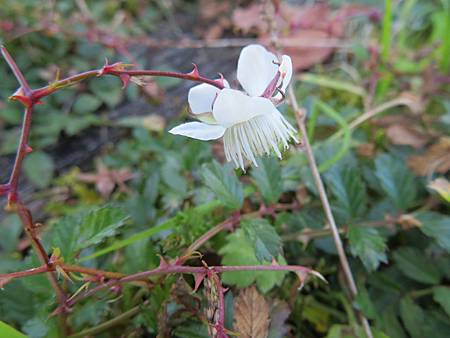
[286, 71]
[260, 135]
[233, 106]
[199, 131]
[286, 75]
[256, 69]
[201, 97]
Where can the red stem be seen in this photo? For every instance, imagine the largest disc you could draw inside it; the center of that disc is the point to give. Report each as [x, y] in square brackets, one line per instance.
[169, 269]
[22, 150]
[39, 93]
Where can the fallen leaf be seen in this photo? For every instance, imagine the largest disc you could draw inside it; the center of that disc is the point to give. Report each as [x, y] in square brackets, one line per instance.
[405, 135]
[248, 19]
[442, 186]
[435, 159]
[106, 179]
[306, 57]
[154, 122]
[366, 150]
[251, 314]
[215, 18]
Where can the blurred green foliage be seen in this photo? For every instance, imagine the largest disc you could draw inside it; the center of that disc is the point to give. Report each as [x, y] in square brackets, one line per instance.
[397, 230]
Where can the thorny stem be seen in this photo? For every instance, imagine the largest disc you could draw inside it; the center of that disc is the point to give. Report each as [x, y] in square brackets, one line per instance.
[166, 268]
[71, 80]
[14, 203]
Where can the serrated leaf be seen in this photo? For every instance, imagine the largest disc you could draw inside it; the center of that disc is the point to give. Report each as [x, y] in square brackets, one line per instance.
[264, 238]
[100, 224]
[396, 181]
[224, 184]
[267, 177]
[239, 251]
[367, 244]
[251, 314]
[73, 233]
[416, 266]
[39, 168]
[412, 316]
[9, 331]
[441, 295]
[349, 191]
[437, 226]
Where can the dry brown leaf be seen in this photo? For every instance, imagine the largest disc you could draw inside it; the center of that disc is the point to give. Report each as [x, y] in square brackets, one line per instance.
[251, 314]
[435, 159]
[405, 135]
[366, 150]
[249, 19]
[154, 122]
[106, 179]
[305, 57]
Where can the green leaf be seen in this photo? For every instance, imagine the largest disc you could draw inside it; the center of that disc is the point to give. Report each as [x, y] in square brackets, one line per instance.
[264, 238]
[10, 228]
[35, 328]
[349, 190]
[437, 226]
[267, 177]
[441, 295]
[396, 181]
[16, 302]
[416, 266]
[100, 224]
[86, 103]
[345, 130]
[412, 316]
[224, 184]
[75, 124]
[391, 324]
[107, 89]
[332, 83]
[73, 233]
[39, 168]
[367, 244]
[9, 331]
[239, 251]
[167, 225]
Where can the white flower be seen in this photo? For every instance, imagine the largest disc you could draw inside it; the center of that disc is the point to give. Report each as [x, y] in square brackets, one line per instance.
[249, 122]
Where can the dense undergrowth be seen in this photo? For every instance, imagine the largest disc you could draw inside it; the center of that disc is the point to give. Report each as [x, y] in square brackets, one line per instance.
[153, 194]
